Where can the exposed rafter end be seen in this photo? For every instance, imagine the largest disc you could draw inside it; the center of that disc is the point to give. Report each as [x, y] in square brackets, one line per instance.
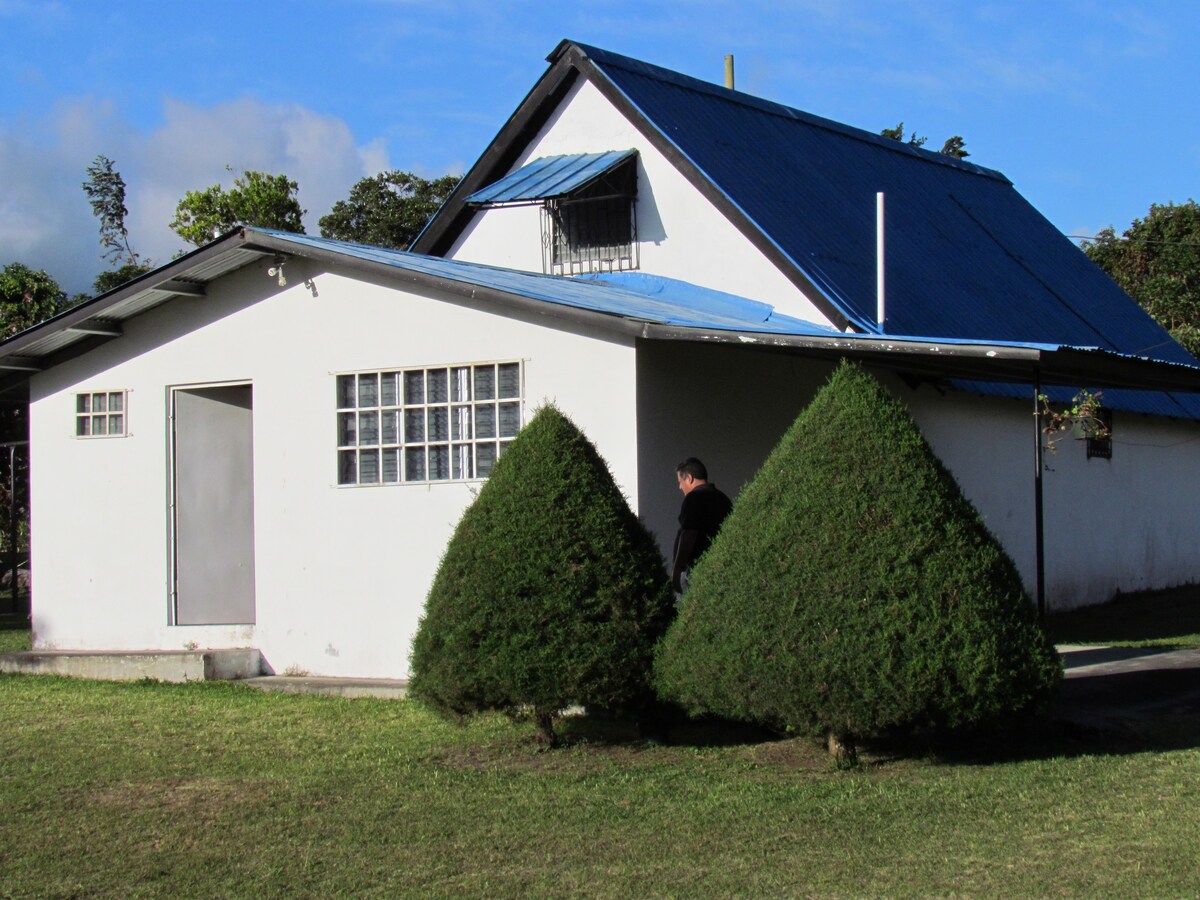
[99, 327]
[189, 288]
[20, 364]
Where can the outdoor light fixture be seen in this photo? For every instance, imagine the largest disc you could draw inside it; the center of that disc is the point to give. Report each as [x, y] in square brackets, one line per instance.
[277, 269]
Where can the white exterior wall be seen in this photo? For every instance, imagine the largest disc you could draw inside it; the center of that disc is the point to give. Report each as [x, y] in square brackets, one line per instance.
[341, 573]
[1128, 524]
[680, 234]
[1120, 525]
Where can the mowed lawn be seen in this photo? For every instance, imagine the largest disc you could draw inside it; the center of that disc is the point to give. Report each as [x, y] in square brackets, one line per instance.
[125, 790]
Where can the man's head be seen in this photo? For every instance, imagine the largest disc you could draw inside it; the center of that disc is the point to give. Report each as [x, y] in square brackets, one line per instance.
[690, 474]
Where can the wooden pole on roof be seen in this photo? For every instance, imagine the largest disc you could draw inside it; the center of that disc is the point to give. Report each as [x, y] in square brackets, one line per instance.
[729, 71]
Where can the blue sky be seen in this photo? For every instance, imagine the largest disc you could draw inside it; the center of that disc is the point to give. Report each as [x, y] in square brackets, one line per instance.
[1088, 107]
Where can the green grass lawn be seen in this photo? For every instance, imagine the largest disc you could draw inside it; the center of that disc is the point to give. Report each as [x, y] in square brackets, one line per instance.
[150, 790]
[121, 790]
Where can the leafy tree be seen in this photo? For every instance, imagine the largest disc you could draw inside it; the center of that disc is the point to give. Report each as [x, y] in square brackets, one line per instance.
[551, 592]
[105, 189]
[387, 210]
[955, 146]
[113, 278]
[26, 298]
[855, 593]
[256, 198]
[1157, 262]
[897, 134]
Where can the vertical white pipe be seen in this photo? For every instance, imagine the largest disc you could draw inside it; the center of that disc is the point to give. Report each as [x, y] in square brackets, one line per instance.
[880, 317]
[729, 71]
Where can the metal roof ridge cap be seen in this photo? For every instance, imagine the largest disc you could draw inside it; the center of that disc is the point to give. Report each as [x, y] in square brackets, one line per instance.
[782, 110]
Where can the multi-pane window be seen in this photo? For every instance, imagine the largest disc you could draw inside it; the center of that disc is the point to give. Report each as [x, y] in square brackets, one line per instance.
[448, 423]
[100, 414]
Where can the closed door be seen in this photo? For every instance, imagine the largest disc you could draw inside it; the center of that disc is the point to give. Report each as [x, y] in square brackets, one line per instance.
[213, 505]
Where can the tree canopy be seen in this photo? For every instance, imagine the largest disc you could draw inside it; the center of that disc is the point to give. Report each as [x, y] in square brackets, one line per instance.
[1157, 262]
[26, 298]
[256, 198]
[954, 146]
[105, 189]
[387, 210]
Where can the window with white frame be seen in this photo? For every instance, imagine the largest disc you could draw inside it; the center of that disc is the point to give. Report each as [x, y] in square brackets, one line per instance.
[445, 423]
[100, 414]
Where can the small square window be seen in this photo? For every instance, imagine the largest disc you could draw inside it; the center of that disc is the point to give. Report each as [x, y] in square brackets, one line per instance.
[101, 414]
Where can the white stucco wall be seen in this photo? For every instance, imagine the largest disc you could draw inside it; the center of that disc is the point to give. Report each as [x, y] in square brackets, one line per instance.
[680, 234]
[341, 572]
[1120, 525]
[1128, 524]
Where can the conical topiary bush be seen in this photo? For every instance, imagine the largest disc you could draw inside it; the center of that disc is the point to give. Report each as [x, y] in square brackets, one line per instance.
[551, 592]
[854, 591]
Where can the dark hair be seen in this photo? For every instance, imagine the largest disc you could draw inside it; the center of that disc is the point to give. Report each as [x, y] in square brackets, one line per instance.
[692, 466]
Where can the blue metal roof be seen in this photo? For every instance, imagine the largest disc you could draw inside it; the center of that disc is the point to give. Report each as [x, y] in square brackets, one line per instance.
[631, 295]
[654, 299]
[967, 255]
[550, 176]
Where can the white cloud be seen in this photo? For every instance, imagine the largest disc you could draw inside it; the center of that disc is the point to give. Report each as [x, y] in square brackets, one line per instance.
[45, 220]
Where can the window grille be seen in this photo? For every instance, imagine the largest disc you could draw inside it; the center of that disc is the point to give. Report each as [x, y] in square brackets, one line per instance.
[1101, 447]
[580, 236]
[446, 423]
[595, 228]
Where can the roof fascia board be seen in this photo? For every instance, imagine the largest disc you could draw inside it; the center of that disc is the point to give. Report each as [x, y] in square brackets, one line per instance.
[500, 156]
[1065, 366]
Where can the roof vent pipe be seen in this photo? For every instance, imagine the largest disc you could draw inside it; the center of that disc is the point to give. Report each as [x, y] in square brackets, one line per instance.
[880, 316]
[729, 71]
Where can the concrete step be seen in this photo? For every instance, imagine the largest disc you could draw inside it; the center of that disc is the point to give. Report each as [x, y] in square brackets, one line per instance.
[383, 688]
[158, 665]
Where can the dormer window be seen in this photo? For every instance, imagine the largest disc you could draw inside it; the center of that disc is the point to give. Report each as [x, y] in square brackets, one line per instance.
[587, 200]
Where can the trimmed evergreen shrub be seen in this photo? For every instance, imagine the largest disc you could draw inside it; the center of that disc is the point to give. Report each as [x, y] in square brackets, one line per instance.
[551, 593]
[854, 591]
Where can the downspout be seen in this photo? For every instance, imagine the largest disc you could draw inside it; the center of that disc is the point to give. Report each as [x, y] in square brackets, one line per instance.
[1038, 532]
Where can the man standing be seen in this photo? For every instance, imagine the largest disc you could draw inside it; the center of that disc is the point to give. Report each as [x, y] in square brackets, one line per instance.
[704, 509]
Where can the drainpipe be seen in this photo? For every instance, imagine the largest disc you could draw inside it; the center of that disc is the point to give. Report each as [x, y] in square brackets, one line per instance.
[880, 312]
[1038, 535]
[729, 71]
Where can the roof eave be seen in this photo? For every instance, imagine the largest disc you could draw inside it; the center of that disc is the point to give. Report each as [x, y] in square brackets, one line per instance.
[440, 233]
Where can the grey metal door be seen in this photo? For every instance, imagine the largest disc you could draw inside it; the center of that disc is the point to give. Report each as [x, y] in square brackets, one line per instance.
[213, 505]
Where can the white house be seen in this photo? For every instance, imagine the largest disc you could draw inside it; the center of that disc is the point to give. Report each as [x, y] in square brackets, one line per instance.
[266, 443]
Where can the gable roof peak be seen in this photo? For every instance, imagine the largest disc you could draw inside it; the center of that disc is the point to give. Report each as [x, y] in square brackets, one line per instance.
[606, 59]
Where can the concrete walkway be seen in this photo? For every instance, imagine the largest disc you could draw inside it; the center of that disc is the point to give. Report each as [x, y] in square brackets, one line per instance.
[384, 688]
[1111, 686]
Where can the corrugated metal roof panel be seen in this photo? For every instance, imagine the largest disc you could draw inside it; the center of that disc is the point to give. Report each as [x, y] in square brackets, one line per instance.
[549, 177]
[967, 256]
